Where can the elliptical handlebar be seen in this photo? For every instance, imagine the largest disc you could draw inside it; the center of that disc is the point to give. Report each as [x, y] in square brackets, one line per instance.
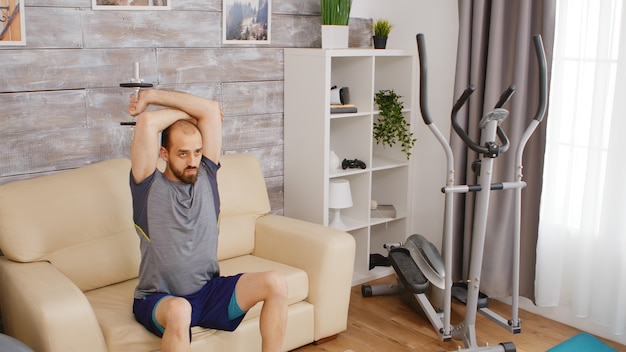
[506, 95]
[541, 59]
[457, 127]
[421, 50]
[543, 77]
[503, 99]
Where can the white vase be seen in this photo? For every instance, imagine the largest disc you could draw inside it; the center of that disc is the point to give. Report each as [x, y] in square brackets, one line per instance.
[334, 161]
[335, 37]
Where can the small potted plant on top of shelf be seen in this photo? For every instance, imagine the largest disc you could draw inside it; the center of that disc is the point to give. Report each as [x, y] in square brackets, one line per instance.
[335, 17]
[381, 28]
[391, 127]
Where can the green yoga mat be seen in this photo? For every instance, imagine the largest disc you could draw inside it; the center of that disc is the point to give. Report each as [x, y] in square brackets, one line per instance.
[582, 342]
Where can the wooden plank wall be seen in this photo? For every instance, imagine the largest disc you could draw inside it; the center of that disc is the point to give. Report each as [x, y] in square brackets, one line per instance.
[60, 100]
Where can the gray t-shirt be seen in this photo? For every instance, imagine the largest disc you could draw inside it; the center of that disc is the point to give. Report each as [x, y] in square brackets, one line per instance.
[177, 224]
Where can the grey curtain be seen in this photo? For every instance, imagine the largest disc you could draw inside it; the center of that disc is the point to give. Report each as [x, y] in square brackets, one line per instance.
[495, 50]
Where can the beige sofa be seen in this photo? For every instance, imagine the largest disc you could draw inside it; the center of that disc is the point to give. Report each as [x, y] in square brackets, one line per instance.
[71, 259]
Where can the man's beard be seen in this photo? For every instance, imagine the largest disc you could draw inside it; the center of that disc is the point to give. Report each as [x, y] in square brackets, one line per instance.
[189, 179]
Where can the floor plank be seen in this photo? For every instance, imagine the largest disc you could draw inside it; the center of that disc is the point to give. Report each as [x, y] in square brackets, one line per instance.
[386, 323]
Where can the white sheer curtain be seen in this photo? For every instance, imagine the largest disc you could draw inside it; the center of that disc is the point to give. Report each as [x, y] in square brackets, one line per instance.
[582, 231]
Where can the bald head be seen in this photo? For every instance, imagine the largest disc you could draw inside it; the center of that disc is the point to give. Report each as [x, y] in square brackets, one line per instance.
[178, 129]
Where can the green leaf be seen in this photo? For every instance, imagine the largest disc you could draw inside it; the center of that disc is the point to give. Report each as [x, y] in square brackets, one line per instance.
[335, 12]
[382, 28]
[391, 127]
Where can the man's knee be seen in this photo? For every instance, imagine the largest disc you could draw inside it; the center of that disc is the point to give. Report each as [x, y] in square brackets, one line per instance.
[256, 287]
[176, 312]
[277, 283]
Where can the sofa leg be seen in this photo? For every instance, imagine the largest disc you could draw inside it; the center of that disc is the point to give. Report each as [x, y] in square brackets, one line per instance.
[325, 339]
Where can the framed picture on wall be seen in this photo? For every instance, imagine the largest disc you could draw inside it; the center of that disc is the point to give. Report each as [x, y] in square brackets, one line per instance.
[246, 22]
[131, 4]
[12, 27]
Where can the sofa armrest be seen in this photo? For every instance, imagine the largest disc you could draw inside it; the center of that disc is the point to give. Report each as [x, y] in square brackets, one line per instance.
[45, 310]
[326, 254]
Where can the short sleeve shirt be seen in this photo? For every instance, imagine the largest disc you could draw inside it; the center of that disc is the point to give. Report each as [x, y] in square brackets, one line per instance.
[177, 224]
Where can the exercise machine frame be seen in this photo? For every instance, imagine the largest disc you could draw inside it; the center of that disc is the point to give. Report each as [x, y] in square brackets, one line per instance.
[493, 142]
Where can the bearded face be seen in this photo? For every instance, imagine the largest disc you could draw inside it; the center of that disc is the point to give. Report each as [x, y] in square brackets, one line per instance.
[182, 151]
[188, 174]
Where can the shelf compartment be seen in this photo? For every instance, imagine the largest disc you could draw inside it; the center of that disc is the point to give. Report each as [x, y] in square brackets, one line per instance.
[356, 73]
[361, 258]
[385, 152]
[350, 139]
[391, 73]
[390, 232]
[385, 190]
[356, 216]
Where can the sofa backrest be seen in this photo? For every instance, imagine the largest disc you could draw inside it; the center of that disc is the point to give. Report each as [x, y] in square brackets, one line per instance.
[78, 220]
[81, 220]
[243, 197]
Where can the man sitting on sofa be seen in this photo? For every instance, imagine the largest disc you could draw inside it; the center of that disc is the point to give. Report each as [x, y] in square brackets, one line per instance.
[176, 215]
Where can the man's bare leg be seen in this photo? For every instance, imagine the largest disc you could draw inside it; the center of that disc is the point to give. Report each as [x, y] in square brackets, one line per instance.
[174, 314]
[271, 288]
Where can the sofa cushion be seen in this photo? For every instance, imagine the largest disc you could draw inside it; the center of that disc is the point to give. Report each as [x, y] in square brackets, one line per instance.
[297, 279]
[113, 305]
[83, 223]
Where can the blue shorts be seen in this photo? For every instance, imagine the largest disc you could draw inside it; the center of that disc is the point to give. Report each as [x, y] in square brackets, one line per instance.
[214, 306]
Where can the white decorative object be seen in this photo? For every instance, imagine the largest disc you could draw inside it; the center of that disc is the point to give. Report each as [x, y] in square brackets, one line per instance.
[334, 161]
[335, 37]
[340, 197]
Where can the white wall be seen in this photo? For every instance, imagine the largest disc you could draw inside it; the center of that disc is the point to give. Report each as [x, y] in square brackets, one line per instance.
[438, 20]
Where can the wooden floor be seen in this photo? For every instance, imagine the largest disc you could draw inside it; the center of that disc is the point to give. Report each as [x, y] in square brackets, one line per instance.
[385, 323]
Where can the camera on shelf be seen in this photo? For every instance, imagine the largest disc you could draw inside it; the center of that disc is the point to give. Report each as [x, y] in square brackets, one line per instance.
[339, 95]
[352, 164]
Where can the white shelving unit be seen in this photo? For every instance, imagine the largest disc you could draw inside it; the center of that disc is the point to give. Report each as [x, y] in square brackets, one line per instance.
[311, 132]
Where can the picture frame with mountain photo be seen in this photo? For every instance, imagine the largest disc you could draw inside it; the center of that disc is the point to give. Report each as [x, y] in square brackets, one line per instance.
[246, 22]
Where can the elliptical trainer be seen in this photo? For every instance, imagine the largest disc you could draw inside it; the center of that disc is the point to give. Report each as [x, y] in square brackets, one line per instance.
[419, 266]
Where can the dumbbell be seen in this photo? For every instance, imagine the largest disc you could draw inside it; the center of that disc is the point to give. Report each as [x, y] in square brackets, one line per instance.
[135, 83]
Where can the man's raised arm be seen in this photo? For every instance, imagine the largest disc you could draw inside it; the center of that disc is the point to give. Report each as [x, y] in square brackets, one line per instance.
[144, 149]
[206, 112]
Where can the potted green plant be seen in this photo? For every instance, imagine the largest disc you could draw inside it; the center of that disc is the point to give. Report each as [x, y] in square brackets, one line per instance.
[335, 17]
[391, 127]
[381, 28]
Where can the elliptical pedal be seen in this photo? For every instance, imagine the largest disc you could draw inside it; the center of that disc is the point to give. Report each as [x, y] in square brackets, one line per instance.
[409, 274]
[459, 292]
